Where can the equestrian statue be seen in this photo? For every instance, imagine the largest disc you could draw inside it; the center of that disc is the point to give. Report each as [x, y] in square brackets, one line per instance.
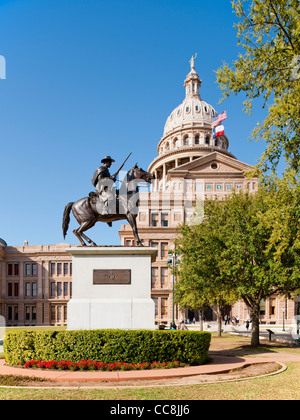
[108, 204]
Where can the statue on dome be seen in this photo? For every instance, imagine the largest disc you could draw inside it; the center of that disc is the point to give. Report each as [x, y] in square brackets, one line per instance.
[192, 61]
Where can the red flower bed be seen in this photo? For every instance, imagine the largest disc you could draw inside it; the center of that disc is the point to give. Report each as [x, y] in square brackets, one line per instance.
[94, 365]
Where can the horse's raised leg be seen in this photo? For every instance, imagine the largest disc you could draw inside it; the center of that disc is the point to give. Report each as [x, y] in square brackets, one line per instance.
[132, 220]
[79, 237]
[83, 227]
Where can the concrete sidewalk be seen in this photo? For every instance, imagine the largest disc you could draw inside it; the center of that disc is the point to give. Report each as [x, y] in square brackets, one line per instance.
[287, 336]
[279, 336]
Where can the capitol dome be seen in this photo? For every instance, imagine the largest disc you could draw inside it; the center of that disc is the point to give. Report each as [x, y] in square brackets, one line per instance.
[193, 110]
[188, 131]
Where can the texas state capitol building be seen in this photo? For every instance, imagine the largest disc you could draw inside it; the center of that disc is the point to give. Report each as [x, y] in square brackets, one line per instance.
[191, 167]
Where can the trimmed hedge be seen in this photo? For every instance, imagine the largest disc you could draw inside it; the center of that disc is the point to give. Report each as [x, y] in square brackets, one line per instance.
[107, 346]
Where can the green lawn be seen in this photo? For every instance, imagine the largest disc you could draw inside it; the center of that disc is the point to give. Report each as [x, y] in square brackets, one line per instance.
[285, 386]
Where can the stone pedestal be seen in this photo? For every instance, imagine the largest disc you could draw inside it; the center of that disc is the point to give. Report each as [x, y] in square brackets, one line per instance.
[111, 288]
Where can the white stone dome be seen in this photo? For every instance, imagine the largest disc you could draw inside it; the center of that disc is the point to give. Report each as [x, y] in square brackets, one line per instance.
[190, 125]
[188, 133]
[192, 111]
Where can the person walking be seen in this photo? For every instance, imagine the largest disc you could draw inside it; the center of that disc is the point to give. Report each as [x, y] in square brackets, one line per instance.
[182, 326]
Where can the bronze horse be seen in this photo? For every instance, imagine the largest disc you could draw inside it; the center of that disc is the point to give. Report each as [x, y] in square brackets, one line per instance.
[126, 207]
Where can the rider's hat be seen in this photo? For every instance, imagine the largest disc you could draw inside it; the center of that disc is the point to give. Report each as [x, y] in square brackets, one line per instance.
[106, 158]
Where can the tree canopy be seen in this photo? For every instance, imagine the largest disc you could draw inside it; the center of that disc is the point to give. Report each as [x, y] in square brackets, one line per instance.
[269, 68]
[248, 247]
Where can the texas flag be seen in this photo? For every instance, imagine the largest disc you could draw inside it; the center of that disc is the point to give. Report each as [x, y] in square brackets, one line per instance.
[217, 120]
[219, 131]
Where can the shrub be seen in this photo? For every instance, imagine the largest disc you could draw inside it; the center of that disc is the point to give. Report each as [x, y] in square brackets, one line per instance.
[107, 346]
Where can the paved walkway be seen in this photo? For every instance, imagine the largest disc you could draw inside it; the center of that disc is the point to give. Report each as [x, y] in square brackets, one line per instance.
[219, 364]
[279, 335]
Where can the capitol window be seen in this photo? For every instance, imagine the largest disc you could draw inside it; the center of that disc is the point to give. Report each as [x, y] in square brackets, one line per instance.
[165, 219]
[30, 313]
[186, 141]
[164, 276]
[176, 143]
[164, 306]
[154, 276]
[154, 219]
[30, 269]
[30, 289]
[164, 250]
[13, 269]
[197, 139]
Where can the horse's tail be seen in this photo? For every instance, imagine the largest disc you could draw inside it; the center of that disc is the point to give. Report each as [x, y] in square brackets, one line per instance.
[66, 218]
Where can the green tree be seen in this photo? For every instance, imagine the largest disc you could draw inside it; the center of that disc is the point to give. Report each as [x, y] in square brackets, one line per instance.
[268, 68]
[248, 247]
[200, 282]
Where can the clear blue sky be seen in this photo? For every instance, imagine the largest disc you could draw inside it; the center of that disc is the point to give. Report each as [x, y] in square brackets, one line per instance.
[88, 78]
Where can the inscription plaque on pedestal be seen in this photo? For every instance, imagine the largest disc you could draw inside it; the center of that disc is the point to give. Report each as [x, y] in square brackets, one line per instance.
[111, 288]
[112, 276]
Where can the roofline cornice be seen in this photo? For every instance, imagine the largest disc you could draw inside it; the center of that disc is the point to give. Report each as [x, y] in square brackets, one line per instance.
[207, 149]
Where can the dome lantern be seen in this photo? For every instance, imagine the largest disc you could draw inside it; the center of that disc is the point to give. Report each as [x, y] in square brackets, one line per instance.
[192, 82]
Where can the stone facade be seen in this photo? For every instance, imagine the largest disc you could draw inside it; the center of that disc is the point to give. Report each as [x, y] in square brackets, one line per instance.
[35, 284]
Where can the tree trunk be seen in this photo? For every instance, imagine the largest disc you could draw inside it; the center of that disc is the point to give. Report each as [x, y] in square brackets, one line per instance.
[219, 320]
[254, 313]
[201, 319]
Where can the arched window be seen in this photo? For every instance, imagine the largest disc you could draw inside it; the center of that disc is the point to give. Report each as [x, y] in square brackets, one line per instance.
[197, 139]
[176, 143]
[207, 139]
[186, 140]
